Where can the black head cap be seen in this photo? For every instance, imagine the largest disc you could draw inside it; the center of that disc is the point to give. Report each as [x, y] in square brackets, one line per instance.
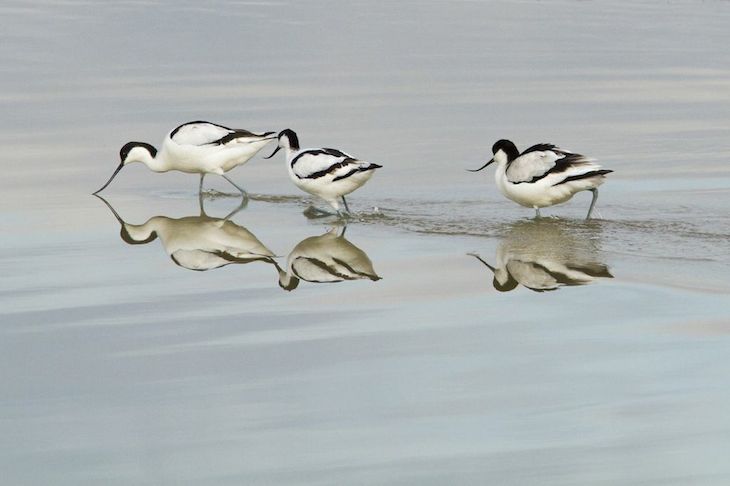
[510, 284]
[507, 147]
[293, 139]
[124, 151]
[292, 284]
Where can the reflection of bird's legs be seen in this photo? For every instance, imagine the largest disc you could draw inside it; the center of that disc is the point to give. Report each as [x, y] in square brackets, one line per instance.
[243, 191]
[244, 203]
[200, 200]
[316, 213]
[593, 202]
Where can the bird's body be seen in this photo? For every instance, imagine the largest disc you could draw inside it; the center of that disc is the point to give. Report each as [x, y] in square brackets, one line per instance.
[196, 148]
[324, 172]
[544, 175]
[197, 242]
[545, 254]
[326, 258]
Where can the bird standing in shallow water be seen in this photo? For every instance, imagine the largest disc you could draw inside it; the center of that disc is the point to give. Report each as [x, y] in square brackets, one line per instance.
[197, 147]
[544, 175]
[324, 172]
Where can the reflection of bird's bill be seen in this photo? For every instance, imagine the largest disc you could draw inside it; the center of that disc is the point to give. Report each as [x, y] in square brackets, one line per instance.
[116, 171]
[482, 167]
[502, 282]
[125, 233]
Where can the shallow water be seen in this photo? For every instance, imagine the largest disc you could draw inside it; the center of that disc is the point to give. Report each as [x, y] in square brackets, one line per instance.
[466, 343]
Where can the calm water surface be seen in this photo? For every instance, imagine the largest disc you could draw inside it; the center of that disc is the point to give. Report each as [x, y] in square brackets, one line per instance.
[443, 337]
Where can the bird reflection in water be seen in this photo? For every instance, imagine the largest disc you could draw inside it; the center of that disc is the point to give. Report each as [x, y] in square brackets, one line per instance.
[198, 242]
[546, 254]
[204, 243]
[324, 259]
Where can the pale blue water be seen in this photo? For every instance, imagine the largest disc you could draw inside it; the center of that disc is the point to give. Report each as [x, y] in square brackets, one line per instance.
[118, 366]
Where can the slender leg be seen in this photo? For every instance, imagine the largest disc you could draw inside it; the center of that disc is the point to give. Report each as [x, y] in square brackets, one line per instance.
[593, 202]
[345, 203]
[537, 212]
[244, 203]
[200, 203]
[243, 191]
[200, 186]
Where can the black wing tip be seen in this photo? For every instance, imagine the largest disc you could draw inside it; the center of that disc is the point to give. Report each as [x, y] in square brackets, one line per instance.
[540, 147]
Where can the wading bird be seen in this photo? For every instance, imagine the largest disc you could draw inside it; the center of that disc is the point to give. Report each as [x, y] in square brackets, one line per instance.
[197, 147]
[324, 172]
[544, 175]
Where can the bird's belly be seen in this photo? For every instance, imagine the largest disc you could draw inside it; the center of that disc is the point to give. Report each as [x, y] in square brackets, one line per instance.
[208, 159]
[238, 155]
[536, 194]
[327, 188]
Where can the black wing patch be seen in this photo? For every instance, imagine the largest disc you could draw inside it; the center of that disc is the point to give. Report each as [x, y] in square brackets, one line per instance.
[587, 175]
[322, 151]
[237, 134]
[329, 170]
[543, 147]
[356, 170]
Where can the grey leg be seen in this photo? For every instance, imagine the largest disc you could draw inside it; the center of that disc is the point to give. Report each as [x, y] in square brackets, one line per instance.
[345, 203]
[244, 203]
[537, 212]
[200, 186]
[200, 204]
[243, 191]
[593, 202]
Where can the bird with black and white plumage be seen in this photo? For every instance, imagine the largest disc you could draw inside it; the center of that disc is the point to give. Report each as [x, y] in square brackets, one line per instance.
[544, 175]
[324, 172]
[197, 147]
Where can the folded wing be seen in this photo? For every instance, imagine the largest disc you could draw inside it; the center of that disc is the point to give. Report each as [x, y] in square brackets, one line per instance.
[543, 160]
[206, 133]
[328, 163]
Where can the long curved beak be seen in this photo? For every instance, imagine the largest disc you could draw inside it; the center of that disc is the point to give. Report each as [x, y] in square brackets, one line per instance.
[121, 165]
[273, 153]
[480, 168]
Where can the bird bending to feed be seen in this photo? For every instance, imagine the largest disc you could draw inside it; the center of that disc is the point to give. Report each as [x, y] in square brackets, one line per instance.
[544, 175]
[324, 172]
[197, 147]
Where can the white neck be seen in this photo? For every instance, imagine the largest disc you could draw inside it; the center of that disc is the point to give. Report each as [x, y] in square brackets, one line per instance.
[289, 154]
[501, 170]
[156, 164]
